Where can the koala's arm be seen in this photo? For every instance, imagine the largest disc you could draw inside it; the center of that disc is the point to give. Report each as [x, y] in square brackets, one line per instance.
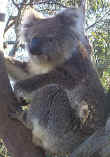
[54, 77]
[27, 82]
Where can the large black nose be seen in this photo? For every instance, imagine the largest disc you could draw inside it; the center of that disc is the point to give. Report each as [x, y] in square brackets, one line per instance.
[35, 46]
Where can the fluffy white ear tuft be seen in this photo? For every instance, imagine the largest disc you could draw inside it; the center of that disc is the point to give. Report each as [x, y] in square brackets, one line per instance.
[30, 15]
[28, 22]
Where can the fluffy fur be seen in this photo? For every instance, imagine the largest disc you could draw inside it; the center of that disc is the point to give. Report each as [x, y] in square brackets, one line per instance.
[67, 103]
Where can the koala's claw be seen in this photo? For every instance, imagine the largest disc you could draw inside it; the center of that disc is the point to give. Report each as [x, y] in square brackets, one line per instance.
[23, 101]
[14, 115]
[20, 96]
[19, 93]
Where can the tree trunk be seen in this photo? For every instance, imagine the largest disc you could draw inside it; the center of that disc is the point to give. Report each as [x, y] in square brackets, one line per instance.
[16, 137]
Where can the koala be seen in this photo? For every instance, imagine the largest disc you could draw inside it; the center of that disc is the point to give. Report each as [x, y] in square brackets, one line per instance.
[66, 95]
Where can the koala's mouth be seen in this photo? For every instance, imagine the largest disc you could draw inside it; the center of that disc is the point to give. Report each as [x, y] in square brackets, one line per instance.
[40, 58]
[38, 53]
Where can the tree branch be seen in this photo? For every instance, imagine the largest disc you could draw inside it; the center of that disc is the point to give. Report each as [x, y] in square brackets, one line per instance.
[97, 21]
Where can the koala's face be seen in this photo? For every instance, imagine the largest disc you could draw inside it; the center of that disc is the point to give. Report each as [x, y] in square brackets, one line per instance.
[51, 41]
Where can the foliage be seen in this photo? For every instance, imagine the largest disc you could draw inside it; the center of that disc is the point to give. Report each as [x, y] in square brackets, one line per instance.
[3, 150]
[99, 35]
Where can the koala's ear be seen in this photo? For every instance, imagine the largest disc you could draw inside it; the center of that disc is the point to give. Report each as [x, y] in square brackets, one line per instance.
[71, 15]
[28, 22]
[72, 12]
[73, 18]
[30, 15]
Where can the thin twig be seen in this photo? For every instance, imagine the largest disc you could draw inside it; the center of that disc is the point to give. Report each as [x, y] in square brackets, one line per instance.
[97, 20]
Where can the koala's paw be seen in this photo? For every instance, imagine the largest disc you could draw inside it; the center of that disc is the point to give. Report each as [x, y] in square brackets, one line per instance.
[16, 114]
[18, 92]
[20, 116]
[20, 95]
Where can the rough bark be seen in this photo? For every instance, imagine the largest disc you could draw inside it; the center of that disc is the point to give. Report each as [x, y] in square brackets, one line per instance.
[16, 137]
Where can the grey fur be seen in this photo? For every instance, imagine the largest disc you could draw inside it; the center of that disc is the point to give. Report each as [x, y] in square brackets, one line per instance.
[66, 94]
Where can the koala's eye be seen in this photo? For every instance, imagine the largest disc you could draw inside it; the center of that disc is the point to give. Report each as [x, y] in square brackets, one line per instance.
[35, 46]
[50, 39]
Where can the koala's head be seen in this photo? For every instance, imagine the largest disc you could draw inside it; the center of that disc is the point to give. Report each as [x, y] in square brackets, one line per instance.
[52, 40]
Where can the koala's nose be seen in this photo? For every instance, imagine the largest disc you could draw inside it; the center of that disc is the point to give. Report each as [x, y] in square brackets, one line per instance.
[35, 45]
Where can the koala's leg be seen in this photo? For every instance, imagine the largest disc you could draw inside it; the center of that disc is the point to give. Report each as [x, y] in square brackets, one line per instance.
[52, 120]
